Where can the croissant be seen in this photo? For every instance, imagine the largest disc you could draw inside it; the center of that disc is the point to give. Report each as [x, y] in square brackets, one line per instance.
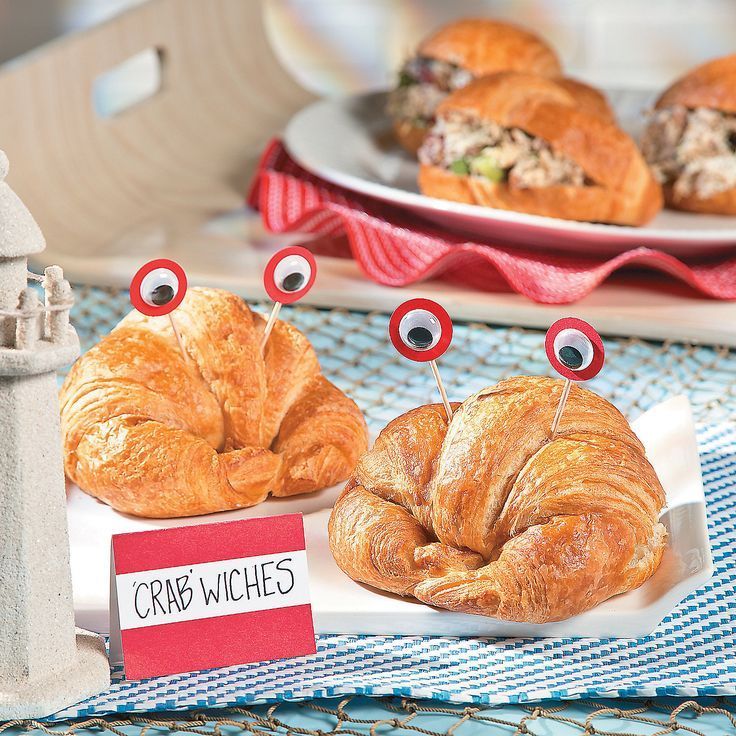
[492, 516]
[690, 139]
[521, 142]
[451, 57]
[154, 434]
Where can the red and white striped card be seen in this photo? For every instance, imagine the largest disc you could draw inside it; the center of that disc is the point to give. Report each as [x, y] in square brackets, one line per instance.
[210, 595]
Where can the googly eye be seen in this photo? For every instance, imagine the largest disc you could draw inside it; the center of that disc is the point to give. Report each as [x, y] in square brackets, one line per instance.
[420, 330]
[575, 350]
[158, 288]
[290, 274]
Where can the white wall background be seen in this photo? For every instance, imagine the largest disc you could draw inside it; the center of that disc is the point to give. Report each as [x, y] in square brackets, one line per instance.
[338, 46]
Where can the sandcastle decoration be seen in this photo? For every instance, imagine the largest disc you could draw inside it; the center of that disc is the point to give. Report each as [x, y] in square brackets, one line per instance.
[45, 663]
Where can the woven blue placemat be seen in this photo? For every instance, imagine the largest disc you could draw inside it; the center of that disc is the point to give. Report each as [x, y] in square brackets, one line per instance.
[693, 651]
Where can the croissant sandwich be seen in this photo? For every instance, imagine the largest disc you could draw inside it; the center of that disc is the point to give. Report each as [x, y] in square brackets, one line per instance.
[522, 142]
[451, 58]
[690, 139]
[588, 99]
[492, 516]
[155, 434]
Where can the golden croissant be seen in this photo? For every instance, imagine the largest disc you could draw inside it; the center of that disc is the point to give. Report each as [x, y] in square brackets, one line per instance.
[493, 516]
[153, 433]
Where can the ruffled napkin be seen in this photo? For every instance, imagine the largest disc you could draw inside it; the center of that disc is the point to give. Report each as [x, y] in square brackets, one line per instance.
[395, 248]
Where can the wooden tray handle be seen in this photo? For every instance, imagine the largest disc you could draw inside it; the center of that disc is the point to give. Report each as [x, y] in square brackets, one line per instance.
[167, 163]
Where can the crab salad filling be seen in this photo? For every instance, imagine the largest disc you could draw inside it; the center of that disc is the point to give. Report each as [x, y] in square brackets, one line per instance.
[423, 84]
[465, 145]
[693, 150]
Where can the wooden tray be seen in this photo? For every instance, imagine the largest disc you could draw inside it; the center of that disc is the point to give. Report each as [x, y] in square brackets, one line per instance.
[232, 252]
[112, 192]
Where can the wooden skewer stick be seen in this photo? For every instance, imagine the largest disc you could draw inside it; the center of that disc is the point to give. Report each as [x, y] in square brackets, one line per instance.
[270, 323]
[177, 334]
[441, 387]
[561, 406]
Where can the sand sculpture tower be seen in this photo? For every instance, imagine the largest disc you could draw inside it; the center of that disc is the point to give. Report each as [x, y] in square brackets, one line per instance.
[45, 663]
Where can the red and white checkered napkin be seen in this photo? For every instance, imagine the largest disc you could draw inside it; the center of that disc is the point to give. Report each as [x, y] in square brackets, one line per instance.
[396, 249]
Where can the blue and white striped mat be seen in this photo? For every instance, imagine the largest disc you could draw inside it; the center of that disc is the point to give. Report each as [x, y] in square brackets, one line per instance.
[693, 652]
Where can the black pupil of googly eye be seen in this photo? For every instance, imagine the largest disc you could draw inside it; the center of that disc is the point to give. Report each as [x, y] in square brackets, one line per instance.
[571, 357]
[419, 337]
[293, 282]
[162, 294]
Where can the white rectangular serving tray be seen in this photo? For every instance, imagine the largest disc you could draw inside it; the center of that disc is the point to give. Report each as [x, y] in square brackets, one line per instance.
[342, 606]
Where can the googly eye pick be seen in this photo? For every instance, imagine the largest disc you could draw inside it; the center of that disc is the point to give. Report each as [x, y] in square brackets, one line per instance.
[575, 350]
[158, 287]
[290, 274]
[421, 330]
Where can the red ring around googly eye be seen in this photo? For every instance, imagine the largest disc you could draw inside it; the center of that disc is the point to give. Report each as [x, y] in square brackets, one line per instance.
[420, 330]
[290, 274]
[575, 350]
[158, 287]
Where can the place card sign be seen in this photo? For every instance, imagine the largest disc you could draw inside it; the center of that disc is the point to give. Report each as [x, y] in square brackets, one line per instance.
[210, 595]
